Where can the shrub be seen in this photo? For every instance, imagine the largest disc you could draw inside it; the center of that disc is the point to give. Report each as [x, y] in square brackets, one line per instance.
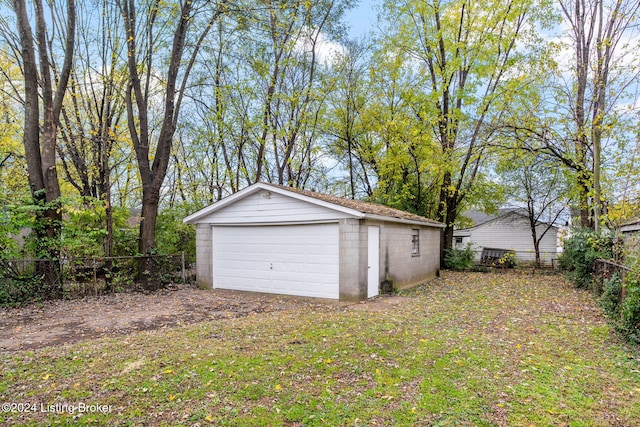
[611, 296]
[458, 259]
[630, 310]
[581, 250]
[623, 313]
[508, 260]
[174, 237]
[18, 284]
[84, 229]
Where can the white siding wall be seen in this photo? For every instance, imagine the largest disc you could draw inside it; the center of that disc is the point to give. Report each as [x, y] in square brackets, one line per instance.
[269, 207]
[514, 233]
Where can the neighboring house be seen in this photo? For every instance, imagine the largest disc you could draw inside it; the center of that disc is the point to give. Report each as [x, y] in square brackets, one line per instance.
[507, 229]
[631, 234]
[276, 239]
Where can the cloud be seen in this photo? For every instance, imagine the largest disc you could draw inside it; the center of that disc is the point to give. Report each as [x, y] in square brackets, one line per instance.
[325, 49]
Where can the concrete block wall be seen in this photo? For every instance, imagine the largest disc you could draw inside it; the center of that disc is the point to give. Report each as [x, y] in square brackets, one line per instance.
[395, 249]
[353, 251]
[204, 256]
[405, 269]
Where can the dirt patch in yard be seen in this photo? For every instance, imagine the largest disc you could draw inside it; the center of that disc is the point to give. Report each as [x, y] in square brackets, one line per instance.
[69, 321]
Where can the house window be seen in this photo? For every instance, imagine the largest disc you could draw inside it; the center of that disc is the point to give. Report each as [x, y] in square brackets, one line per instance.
[415, 242]
[458, 242]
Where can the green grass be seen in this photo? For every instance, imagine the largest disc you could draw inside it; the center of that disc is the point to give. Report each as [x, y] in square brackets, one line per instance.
[465, 350]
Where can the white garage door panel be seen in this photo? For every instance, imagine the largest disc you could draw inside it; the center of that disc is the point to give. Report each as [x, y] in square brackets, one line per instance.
[285, 259]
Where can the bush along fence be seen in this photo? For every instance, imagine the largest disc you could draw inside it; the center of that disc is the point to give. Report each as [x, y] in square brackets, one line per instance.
[21, 279]
[619, 290]
[592, 261]
[605, 270]
[468, 258]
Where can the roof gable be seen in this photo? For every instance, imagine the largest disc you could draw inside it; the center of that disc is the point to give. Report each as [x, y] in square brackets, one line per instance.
[347, 207]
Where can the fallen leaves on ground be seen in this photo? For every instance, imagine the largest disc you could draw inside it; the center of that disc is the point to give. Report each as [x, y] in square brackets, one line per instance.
[504, 349]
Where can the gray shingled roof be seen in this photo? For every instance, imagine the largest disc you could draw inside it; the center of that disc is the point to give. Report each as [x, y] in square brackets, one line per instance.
[359, 205]
[479, 218]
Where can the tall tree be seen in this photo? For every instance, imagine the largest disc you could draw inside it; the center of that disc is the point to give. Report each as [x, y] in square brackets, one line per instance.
[471, 56]
[584, 120]
[260, 98]
[398, 146]
[286, 63]
[40, 132]
[91, 115]
[347, 105]
[597, 31]
[144, 22]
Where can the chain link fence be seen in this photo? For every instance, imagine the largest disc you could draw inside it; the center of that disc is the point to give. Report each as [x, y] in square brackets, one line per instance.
[22, 279]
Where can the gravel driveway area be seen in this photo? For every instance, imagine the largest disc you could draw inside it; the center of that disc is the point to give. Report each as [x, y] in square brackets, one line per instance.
[67, 321]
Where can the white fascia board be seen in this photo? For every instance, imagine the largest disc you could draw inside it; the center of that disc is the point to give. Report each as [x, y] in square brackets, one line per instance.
[466, 231]
[402, 220]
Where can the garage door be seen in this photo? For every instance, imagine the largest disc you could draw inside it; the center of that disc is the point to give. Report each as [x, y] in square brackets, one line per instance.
[284, 259]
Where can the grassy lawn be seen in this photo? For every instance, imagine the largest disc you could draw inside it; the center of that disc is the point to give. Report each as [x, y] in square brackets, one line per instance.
[465, 350]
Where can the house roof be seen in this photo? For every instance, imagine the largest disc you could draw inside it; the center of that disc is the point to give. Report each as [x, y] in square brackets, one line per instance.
[479, 218]
[356, 208]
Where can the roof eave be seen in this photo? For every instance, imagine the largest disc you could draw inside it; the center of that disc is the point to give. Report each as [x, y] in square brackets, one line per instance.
[193, 218]
[403, 220]
[630, 228]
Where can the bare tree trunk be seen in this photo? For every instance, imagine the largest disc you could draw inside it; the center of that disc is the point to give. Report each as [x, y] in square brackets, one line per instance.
[40, 144]
[153, 172]
[597, 30]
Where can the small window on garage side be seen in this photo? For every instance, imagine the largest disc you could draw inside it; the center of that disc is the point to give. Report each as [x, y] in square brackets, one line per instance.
[458, 242]
[415, 242]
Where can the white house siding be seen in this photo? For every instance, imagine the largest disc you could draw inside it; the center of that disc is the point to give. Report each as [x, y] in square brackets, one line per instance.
[511, 232]
[271, 207]
[631, 235]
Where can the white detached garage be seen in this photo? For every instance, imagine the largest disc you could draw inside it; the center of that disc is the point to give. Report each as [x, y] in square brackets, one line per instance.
[275, 239]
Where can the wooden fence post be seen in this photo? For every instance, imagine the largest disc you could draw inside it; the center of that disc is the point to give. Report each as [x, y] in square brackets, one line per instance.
[184, 276]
